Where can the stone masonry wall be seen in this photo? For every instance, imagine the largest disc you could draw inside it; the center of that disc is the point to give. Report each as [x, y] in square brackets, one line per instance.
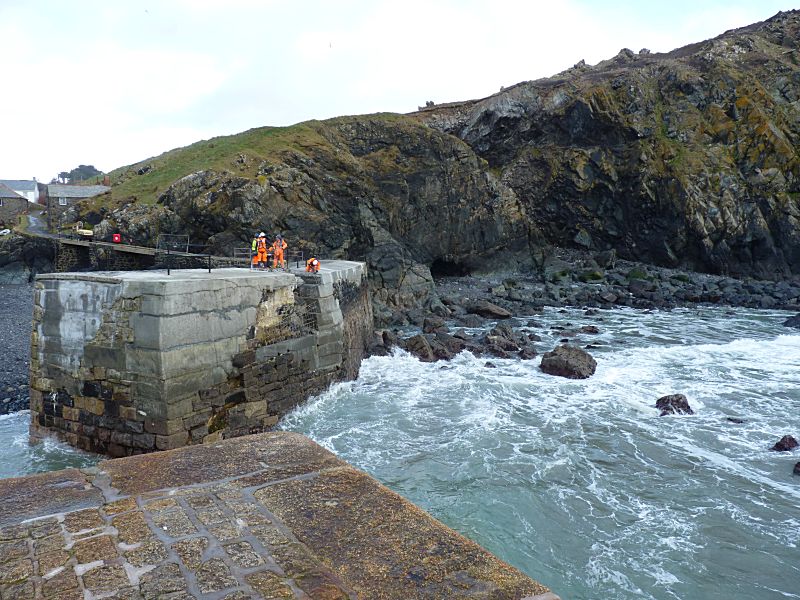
[125, 363]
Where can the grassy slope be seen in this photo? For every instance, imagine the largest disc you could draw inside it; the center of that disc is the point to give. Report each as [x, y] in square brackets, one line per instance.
[220, 153]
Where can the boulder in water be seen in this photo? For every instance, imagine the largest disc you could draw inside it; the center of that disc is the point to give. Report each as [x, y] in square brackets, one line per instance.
[568, 361]
[419, 347]
[488, 310]
[785, 444]
[797, 469]
[674, 404]
[793, 321]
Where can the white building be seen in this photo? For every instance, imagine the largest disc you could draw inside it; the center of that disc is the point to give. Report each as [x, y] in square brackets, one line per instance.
[25, 188]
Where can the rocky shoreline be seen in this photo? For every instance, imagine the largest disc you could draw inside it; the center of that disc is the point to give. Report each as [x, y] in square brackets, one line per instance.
[568, 278]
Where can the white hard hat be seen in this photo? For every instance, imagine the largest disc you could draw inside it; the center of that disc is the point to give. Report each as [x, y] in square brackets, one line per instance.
[262, 234]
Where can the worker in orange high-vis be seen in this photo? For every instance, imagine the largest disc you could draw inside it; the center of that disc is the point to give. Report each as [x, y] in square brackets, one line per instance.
[312, 265]
[278, 246]
[260, 251]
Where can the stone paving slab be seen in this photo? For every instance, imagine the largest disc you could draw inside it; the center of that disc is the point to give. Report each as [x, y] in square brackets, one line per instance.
[265, 516]
[57, 491]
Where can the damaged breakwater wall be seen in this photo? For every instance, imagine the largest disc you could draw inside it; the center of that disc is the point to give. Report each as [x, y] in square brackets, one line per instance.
[130, 362]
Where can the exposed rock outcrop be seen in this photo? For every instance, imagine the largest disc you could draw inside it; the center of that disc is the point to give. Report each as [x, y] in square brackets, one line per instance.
[681, 159]
[23, 256]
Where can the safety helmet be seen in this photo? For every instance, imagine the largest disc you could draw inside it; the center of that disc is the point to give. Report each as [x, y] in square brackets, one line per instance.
[262, 234]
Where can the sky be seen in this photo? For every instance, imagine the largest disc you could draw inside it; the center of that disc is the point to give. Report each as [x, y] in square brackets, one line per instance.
[111, 83]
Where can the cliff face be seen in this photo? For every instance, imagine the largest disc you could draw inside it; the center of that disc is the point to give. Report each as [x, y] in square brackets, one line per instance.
[681, 159]
[383, 188]
[687, 158]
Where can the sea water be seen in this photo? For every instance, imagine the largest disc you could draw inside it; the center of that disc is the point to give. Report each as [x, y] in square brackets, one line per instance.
[19, 457]
[580, 483]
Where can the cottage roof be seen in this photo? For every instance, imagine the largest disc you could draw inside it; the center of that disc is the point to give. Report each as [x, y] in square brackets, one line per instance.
[75, 191]
[7, 192]
[22, 185]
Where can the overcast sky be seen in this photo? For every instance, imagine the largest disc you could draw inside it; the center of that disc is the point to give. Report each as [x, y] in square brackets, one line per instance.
[110, 83]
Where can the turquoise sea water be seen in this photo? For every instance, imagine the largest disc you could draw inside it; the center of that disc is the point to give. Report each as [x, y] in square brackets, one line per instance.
[581, 484]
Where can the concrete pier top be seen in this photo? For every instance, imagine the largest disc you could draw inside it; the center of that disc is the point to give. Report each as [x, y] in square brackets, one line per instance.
[330, 270]
[265, 516]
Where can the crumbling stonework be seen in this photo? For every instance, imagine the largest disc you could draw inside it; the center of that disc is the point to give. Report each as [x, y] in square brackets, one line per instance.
[126, 363]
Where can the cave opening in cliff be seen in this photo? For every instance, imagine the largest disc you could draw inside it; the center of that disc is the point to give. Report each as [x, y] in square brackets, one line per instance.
[446, 268]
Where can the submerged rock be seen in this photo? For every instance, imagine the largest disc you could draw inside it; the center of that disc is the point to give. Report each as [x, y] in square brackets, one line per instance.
[676, 404]
[793, 321]
[568, 361]
[785, 444]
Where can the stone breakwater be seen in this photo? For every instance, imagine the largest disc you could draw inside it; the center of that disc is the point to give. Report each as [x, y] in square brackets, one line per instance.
[266, 516]
[125, 363]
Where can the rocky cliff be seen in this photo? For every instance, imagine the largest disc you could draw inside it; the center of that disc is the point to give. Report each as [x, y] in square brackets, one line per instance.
[681, 159]
[685, 159]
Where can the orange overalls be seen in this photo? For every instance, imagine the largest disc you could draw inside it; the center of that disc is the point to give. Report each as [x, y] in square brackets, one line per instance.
[278, 247]
[261, 253]
[312, 265]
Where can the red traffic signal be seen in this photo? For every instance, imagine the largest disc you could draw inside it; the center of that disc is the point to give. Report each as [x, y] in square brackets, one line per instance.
[116, 238]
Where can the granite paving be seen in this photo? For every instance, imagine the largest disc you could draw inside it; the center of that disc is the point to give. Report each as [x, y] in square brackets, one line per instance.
[263, 516]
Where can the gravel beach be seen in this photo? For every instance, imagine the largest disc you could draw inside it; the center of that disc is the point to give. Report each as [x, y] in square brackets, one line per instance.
[16, 313]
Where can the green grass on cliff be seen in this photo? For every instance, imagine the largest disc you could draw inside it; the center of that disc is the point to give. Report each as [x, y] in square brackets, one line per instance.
[222, 154]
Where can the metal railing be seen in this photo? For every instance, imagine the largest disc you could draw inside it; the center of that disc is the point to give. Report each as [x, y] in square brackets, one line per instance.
[173, 242]
[175, 251]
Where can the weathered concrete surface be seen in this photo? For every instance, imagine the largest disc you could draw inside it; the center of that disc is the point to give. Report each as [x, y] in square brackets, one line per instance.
[264, 516]
[130, 362]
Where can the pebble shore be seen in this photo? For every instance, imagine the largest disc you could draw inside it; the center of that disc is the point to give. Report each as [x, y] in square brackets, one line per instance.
[16, 310]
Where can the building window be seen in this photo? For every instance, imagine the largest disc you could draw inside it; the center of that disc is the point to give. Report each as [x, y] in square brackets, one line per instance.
[62, 201]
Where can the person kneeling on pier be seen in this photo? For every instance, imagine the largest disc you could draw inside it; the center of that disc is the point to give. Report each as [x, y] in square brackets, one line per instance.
[312, 265]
